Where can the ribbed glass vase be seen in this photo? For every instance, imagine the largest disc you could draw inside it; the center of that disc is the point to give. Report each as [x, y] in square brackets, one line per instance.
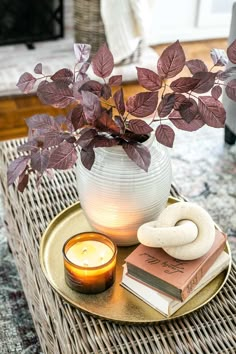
[117, 196]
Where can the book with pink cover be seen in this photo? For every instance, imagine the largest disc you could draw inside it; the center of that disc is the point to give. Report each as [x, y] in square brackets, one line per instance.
[163, 303]
[174, 277]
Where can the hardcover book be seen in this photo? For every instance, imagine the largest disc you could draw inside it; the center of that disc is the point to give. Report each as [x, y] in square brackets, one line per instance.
[174, 277]
[163, 303]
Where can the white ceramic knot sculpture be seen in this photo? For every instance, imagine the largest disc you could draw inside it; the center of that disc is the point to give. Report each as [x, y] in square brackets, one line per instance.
[184, 230]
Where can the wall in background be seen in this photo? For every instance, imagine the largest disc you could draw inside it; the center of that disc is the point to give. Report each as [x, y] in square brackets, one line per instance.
[189, 20]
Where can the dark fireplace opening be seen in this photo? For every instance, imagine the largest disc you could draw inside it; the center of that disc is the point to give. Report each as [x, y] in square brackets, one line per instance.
[28, 21]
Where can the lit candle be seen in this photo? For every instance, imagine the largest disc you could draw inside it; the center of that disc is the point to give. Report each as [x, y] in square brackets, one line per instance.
[89, 260]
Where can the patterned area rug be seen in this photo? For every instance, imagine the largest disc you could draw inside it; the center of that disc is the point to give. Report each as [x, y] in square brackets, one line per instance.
[204, 170]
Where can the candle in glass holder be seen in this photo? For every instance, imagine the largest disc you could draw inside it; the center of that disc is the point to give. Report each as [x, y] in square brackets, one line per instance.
[89, 261]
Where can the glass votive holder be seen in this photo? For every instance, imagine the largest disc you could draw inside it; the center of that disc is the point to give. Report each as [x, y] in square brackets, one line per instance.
[89, 262]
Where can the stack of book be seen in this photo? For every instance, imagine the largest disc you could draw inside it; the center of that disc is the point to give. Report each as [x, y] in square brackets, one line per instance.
[166, 283]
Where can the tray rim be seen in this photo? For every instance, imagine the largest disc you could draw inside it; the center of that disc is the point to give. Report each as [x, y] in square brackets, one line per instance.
[74, 304]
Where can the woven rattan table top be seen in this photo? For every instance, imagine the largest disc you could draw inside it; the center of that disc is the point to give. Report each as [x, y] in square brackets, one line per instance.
[66, 330]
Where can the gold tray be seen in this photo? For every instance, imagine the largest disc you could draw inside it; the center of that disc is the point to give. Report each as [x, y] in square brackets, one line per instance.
[116, 304]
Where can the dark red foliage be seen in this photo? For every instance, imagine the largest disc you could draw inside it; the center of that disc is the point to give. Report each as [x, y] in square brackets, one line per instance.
[26, 82]
[119, 101]
[212, 111]
[181, 124]
[103, 62]
[139, 126]
[231, 89]
[106, 124]
[97, 116]
[149, 79]
[166, 105]
[115, 80]
[165, 135]
[196, 65]
[216, 92]
[143, 104]
[206, 81]
[171, 61]
[231, 52]
[184, 84]
[138, 153]
[188, 110]
[63, 75]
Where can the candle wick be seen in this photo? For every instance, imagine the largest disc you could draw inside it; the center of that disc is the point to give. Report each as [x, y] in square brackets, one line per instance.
[84, 250]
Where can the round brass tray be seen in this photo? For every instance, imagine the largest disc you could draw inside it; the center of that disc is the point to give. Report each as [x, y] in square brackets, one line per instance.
[116, 304]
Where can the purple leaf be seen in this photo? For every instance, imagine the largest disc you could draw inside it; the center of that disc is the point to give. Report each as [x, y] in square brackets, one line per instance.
[91, 106]
[60, 120]
[77, 117]
[231, 52]
[231, 89]
[223, 75]
[188, 110]
[53, 138]
[84, 68]
[81, 77]
[206, 81]
[103, 62]
[86, 137]
[76, 88]
[180, 100]
[68, 137]
[82, 52]
[171, 61]
[119, 101]
[139, 154]
[87, 158]
[184, 84]
[216, 92]
[103, 141]
[15, 168]
[39, 160]
[149, 79]
[196, 65]
[219, 57]
[30, 145]
[63, 157]
[143, 104]
[119, 121]
[165, 135]
[139, 126]
[180, 123]
[41, 121]
[38, 69]
[23, 181]
[92, 86]
[212, 111]
[26, 82]
[56, 94]
[106, 124]
[106, 92]
[166, 105]
[64, 75]
[115, 80]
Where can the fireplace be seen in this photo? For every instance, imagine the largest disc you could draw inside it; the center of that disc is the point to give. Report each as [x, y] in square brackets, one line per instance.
[29, 21]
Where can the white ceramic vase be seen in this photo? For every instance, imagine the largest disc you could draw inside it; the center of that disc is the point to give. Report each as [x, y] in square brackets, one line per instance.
[117, 196]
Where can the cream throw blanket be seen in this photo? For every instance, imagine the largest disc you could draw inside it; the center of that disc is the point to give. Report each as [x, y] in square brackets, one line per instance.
[126, 25]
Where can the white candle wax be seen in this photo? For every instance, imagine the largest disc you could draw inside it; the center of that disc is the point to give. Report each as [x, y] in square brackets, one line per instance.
[89, 253]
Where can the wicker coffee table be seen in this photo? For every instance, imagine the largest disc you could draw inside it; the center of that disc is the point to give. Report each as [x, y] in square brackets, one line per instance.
[66, 330]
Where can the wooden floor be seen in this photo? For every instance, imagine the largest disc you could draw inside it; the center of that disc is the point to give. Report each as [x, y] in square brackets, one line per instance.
[14, 110]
